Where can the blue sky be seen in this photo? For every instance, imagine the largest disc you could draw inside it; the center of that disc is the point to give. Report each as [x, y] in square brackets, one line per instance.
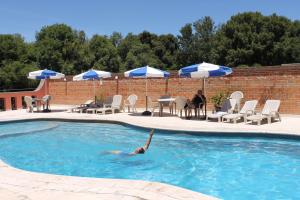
[104, 16]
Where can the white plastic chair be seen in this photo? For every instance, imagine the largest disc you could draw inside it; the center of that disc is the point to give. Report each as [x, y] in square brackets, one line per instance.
[29, 106]
[115, 105]
[180, 103]
[247, 109]
[130, 103]
[45, 101]
[152, 105]
[269, 111]
[80, 108]
[238, 96]
[227, 108]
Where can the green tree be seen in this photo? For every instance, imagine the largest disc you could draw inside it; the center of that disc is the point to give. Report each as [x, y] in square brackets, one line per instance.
[251, 39]
[105, 54]
[196, 42]
[58, 48]
[16, 60]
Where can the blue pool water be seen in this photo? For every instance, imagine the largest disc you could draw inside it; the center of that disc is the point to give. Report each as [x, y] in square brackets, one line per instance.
[225, 167]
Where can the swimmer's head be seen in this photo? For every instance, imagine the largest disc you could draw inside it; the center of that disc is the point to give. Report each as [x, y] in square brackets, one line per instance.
[139, 150]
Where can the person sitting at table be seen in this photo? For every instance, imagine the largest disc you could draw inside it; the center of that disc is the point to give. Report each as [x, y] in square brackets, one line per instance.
[199, 100]
[189, 106]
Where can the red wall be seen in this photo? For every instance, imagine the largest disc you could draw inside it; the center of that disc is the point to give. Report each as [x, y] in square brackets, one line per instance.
[261, 83]
[39, 93]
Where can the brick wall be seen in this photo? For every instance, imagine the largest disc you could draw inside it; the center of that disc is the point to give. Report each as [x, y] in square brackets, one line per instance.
[261, 83]
[7, 97]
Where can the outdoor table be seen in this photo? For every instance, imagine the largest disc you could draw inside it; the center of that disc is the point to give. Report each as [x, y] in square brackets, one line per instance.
[162, 101]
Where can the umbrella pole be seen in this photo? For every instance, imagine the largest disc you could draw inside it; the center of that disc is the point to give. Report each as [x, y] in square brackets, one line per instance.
[203, 89]
[94, 91]
[146, 94]
[46, 81]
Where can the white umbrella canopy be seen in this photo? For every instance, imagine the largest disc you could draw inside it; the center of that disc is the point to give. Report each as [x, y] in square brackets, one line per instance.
[45, 74]
[204, 70]
[146, 72]
[92, 75]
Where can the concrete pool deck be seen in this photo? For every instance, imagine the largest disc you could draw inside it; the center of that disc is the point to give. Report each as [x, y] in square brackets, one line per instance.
[19, 184]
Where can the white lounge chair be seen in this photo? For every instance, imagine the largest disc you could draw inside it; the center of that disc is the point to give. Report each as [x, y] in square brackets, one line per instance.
[80, 108]
[180, 103]
[115, 105]
[227, 108]
[130, 103]
[269, 111]
[28, 100]
[238, 96]
[247, 109]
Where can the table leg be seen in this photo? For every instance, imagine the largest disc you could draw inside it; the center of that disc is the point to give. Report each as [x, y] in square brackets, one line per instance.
[160, 109]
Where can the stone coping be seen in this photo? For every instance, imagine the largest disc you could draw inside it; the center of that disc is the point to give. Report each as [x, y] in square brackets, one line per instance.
[20, 184]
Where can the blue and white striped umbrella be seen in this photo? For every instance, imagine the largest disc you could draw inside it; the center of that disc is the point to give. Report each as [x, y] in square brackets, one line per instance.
[92, 75]
[45, 74]
[204, 70]
[146, 72]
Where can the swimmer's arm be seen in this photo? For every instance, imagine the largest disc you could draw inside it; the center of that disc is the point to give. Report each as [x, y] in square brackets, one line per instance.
[146, 146]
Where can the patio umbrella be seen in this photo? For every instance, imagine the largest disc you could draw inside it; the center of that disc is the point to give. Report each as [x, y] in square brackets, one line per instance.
[146, 72]
[45, 74]
[204, 70]
[92, 75]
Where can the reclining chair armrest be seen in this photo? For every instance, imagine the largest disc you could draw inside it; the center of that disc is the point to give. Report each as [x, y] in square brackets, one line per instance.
[249, 112]
[230, 111]
[106, 105]
[274, 113]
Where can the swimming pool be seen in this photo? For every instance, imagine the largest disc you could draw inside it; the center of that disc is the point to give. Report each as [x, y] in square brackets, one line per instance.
[225, 167]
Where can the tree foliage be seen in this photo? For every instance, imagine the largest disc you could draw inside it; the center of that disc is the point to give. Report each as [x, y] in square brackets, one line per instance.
[250, 39]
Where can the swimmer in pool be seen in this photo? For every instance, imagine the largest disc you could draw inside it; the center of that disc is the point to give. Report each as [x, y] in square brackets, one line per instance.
[139, 150]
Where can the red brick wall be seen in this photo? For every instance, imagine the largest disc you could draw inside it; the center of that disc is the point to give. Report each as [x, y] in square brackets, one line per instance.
[40, 91]
[260, 83]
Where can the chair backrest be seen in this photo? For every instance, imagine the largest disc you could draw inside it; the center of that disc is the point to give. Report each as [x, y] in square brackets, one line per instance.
[132, 99]
[248, 106]
[108, 100]
[180, 102]
[237, 95]
[46, 98]
[117, 101]
[229, 104]
[271, 106]
[88, 102]
[28, 101]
